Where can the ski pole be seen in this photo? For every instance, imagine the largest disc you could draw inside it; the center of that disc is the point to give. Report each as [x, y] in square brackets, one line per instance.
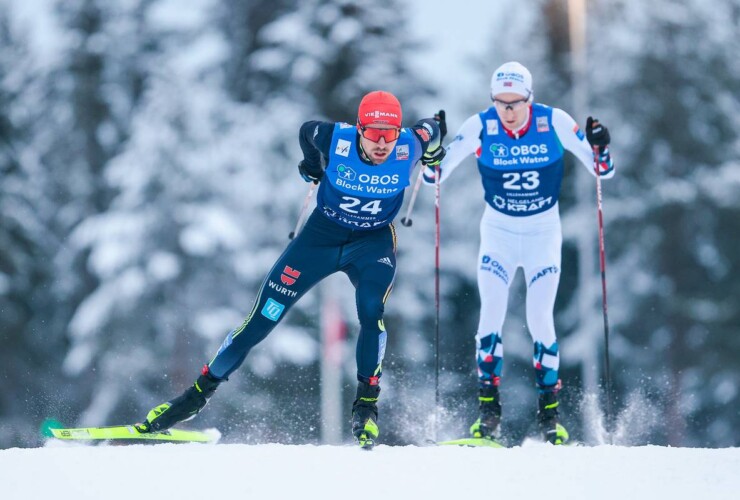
[436, 297]
[302, 215]
[406, 221]
[602, 263]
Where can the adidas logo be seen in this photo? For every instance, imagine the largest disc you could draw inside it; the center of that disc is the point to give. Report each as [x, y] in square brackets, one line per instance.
[386, 261]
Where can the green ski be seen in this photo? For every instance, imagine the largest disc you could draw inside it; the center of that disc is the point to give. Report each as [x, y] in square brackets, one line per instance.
[129, 434]
[478, 442]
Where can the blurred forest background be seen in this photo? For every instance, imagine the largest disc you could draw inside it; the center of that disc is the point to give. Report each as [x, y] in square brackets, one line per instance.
[148, 153]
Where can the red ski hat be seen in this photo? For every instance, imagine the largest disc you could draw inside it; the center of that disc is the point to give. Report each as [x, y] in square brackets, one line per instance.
[381, 108]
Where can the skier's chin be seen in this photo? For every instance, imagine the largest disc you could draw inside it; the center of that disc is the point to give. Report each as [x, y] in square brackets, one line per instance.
[380, 155]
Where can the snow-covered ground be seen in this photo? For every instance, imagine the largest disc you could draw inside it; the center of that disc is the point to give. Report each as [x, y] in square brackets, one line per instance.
[272, 471]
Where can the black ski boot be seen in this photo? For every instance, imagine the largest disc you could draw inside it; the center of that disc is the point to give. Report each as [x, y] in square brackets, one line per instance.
[547, 417]
[365, 415]
[489, 421]
[183, 407]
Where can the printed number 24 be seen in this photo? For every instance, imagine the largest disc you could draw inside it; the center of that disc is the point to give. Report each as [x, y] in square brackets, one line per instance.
[372, 206]
[525, 180]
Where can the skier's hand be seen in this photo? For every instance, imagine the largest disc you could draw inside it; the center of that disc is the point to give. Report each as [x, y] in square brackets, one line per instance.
[442, 123]
[431, 162]
[597, 134]
[310, 173]
[432, 158]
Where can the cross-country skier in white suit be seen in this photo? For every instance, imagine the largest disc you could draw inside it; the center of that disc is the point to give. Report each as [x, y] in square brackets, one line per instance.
[519, 146]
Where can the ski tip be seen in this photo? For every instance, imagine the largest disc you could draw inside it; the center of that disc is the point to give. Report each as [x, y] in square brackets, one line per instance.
[64, 433]
[53, 433]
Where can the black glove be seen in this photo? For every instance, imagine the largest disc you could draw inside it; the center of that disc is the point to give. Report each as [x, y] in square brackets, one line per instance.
[310, 174]
[431, 163]
[597, 134]
[442, 123]
[432, 159]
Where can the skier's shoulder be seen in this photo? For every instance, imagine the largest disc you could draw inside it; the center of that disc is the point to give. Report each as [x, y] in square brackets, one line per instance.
[562, 122]
[320, 133]
[541, 109]
[557, 113]
[341, 126]
[318, 129]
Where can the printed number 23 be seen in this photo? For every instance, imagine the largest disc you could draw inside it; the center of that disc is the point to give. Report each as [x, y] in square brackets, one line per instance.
[373, 206]
[525, 180]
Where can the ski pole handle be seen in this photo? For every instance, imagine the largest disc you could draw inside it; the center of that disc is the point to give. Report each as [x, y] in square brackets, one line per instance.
[304, 208]
[406, 220]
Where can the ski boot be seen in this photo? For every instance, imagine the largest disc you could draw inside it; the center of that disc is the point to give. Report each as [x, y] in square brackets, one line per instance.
[365, 415]
[183, 407]
[489, 421]
[547, 416]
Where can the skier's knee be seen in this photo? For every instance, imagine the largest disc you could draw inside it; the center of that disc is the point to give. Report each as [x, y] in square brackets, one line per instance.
[370, 311]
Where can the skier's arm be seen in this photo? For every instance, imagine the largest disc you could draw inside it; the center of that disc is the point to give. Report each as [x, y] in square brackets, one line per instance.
[315, 140]
[430, 137]
[574, 140]
[466, 142]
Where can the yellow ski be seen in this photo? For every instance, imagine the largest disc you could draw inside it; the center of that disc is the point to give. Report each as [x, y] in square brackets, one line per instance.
[128, 433]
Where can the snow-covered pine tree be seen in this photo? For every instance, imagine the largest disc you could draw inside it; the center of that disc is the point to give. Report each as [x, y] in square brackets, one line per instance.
[26, 245]
[96, 83]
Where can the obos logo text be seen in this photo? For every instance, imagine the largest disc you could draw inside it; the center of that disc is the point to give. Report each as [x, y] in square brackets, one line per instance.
[346, 178]
[501, 151]
[524, 154]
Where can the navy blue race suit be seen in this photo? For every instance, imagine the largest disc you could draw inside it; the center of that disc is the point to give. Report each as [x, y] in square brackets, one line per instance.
[350, 230]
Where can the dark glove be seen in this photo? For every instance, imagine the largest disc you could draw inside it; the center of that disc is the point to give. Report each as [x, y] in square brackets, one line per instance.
[442, 123]
[433, 158]
[431, 163]
[310, 174]
[597, 134]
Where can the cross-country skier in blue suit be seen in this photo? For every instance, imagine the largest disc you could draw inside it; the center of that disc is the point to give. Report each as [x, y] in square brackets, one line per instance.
[362, 171]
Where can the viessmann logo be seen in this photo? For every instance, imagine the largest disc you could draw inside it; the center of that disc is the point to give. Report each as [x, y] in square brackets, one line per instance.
[381, 114]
